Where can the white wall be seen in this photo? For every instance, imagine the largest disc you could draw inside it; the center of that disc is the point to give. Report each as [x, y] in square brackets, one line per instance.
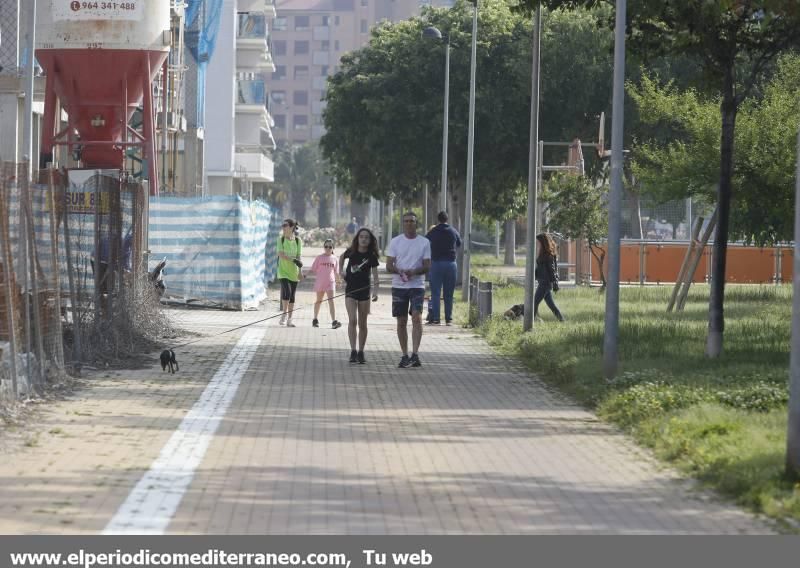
[220, 102]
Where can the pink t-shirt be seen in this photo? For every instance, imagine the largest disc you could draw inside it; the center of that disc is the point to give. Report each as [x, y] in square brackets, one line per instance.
[325, 267]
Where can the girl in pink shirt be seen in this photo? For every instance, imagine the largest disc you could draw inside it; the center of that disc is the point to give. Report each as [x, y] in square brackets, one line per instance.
[326, 270]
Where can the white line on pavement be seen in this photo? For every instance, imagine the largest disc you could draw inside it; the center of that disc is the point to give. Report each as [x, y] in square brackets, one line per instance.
[151, 505]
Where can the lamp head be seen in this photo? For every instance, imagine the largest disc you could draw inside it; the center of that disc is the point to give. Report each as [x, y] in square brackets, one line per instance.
[431, 32]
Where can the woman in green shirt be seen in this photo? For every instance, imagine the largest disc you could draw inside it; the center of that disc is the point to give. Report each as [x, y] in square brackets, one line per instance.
[289, 249]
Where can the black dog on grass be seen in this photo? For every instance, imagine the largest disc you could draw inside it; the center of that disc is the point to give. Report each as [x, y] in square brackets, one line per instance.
[514, 312]
[168, 360]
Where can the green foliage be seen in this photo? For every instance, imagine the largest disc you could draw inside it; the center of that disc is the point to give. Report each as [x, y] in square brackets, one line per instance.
[384, 114]
[577, 208]
[301, 176]
[687, 164]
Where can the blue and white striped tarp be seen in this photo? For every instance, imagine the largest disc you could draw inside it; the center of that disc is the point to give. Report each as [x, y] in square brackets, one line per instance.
[216, 248]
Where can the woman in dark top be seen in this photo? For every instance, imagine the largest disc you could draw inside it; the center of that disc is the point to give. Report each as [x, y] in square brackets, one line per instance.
[362, 259]
[546, 275]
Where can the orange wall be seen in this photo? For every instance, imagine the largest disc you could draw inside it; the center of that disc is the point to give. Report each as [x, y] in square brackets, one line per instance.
[751, 265]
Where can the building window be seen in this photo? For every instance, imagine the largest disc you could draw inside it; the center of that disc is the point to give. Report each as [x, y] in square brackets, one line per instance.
[300, 98]
[325, 20]
[300, 122]
[363, 26]
[279, 25]
[279, 47]
[364, 2]
[301, 47]
[278, 97]
[325, 45]
[323, 71]
[336, 45]
[301, 23]
[280, 121]
[300, 71]
[280, 72]
[336, 20]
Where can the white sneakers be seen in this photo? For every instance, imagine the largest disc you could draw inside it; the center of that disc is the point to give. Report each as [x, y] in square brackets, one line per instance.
[282, 321]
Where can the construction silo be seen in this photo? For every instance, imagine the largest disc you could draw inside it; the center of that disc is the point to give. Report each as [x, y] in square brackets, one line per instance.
[100, 59]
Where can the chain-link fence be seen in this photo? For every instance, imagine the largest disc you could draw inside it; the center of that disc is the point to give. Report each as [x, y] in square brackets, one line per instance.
[75, 290]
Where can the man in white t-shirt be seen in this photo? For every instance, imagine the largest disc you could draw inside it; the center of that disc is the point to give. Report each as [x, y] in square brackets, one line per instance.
[408, 259]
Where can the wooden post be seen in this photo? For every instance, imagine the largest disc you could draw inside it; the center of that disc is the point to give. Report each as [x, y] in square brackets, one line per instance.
[698, 255]
[698, 224]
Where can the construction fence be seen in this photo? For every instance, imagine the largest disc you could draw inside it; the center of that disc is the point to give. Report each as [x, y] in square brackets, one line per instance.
[647, 262]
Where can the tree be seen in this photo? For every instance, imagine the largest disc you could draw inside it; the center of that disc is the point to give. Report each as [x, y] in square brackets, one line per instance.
[683, 166]
[386, 103]
[738, 41]
[301, 173]
[577, 210]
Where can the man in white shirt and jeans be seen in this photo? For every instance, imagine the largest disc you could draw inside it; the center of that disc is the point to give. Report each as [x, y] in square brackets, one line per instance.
[408, 259]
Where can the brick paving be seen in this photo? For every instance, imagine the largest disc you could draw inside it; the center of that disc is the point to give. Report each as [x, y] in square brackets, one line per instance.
[311, 444]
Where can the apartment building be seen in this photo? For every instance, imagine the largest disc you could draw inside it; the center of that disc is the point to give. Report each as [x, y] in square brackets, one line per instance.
[239, 140]
[309, 38]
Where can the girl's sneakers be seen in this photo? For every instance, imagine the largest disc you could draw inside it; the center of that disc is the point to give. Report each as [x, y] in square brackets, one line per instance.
[334, 324]
[361, 357]
[315, 322]
[354, 356]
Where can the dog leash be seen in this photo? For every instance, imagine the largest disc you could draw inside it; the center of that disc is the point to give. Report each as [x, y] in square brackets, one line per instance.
[268, 318]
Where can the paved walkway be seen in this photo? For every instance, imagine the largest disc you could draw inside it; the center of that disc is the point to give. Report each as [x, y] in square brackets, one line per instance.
[271, 430]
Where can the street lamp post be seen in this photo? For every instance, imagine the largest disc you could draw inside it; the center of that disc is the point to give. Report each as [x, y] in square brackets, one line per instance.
[432, 32]
[470, 160]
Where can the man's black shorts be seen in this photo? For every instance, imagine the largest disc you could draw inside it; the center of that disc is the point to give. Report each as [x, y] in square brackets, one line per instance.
[402, 297]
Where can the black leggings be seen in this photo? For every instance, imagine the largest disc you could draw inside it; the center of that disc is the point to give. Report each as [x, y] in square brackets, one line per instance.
[288, 288]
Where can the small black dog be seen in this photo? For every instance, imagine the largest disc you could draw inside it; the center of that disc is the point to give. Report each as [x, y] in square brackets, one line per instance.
[514, 312]
[168, 359]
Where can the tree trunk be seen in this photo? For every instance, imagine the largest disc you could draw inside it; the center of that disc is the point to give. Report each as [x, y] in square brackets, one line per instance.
[298, 200]
[324, 214]
[600, 259]
[511, 243]
[636, 216]
[716, 315]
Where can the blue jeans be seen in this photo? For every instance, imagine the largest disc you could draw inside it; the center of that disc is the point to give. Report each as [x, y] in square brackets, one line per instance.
[544, 291]
[443, 282]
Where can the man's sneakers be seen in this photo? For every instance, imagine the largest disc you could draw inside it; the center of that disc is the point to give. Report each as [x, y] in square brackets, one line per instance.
[334, 324]
[354, 356]
[315, 322]
[432, 322]
[412, 361]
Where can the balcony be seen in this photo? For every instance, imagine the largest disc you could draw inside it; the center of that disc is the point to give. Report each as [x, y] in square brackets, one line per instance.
[266, 7]
[251, 92]
[254, 164]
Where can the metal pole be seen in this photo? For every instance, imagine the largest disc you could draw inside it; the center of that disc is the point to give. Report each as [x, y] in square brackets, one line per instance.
[445, 132]
[793, 433]
[497, 239]
[611, 334]
[470, 158]
[425, 209]
[335, 219]
[533, 176]
[28, 149]
[31, 48]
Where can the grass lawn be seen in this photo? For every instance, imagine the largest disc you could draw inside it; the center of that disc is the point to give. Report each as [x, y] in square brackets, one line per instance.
[722, 421]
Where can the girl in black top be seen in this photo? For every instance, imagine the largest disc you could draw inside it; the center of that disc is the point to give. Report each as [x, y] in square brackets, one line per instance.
[546, 275]
[362, 259]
